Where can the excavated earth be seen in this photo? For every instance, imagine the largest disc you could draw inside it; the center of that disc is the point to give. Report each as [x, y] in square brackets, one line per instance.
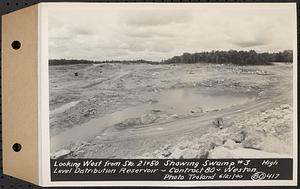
[166, 111]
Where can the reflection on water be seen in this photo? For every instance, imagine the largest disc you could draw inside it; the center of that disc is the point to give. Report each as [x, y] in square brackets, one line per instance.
[175, 101]
[181, 101]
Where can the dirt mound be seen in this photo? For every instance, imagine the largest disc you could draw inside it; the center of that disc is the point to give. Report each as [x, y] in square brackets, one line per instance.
[153, 116]
[238, 153]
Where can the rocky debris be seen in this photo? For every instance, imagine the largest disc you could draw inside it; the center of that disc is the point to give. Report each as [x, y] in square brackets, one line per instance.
[221, 152]
[231, 83]
[191, 154]
[60, 154]
[152, 101]
[73, 150]
[110, 98]
[166, 150]
[128, 123]
[227, 83]
[87, 112]
[270, 125]
[267, 134]
[230, 144]
[184, 149]
[178, 153]
[239, 153]
[284, 106]
[261, 72]
[237, 136]
[59, 100]
[149, 118]
[99, 137]
[237, 69]
[218, 123]
[254, 140]
[197, 110]
[84, 111]
[174, 116]
[78, 145]
[84, 149]
[153, 116]
[269, 130]
[63, 77]
[185, 153]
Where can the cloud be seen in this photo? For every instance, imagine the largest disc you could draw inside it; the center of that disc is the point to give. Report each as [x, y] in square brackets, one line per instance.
[149, 33]
[134, 46]
[60, 33]
[257, 38]
[249, 43]
[155, 17]
[83, 31]
[156, 32]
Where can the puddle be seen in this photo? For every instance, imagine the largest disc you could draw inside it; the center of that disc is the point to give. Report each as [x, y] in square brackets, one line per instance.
[181, 101]
[175, 101]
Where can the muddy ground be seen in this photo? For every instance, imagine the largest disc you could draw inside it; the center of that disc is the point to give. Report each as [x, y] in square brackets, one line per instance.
[166, 111]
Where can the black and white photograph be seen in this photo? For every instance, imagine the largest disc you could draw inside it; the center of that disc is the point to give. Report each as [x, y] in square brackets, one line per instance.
[172, 81]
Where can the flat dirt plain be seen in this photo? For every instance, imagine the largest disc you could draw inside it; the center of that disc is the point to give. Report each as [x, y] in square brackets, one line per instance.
[166, 111]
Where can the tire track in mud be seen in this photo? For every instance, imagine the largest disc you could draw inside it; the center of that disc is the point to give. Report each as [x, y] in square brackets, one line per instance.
[111, 79]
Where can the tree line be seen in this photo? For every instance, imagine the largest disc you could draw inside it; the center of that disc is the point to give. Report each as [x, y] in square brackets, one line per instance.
[234, 57]
[54, 62]
[220, 57]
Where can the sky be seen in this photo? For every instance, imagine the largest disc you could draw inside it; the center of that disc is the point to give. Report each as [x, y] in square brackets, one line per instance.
[160, 31]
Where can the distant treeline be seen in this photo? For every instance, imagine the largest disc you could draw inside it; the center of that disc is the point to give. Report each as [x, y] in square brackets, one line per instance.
[234, 57]
[74, 61]
[220, 57]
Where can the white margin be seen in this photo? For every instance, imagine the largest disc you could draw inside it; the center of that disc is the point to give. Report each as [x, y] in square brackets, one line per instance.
[44, 96]
[295, 95]
[39, 75]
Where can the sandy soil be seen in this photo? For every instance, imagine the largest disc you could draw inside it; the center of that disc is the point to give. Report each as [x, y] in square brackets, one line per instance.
[259, 122]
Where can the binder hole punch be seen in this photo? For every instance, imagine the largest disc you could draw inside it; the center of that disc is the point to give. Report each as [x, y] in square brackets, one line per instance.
[17, 147]
[16, 45]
